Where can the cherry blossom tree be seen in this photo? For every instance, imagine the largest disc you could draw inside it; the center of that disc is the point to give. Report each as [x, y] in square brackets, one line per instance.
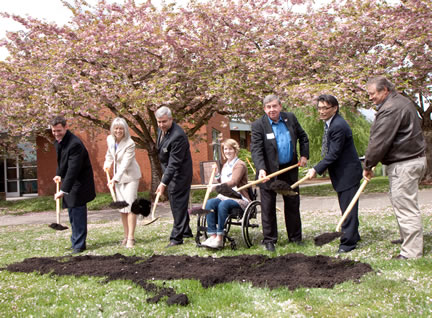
[208, 57]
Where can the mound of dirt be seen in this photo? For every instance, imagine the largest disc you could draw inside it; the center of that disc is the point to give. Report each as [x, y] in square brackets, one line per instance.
[291, 271]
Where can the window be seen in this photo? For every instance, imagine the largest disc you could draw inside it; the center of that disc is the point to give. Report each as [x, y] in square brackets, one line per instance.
[216, 145]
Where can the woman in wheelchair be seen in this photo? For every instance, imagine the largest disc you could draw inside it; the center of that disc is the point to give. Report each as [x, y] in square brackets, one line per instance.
[234, 174]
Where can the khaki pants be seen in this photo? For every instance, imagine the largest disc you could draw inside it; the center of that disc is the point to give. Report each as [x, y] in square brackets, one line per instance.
[404, 178]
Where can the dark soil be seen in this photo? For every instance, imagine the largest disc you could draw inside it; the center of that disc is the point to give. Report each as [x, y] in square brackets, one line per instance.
[291, 271]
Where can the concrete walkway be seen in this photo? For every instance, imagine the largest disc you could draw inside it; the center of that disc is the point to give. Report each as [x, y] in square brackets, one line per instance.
[367, 201]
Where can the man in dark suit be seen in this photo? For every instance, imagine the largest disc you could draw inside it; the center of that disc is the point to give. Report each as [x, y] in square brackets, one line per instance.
[75, 172]
[341, 159]
[176, 161]
[273, 147]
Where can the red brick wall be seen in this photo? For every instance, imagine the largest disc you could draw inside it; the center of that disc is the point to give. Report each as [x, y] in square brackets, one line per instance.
[96, 146]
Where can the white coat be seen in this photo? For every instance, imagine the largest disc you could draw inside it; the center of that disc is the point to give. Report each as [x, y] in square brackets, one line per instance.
[126, 168]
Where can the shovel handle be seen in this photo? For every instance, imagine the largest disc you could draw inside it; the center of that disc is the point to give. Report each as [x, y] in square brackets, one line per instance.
[209, 187]
[111, 188]
[295, 185]
[250, 165]
[58, 202]
[353, 202]
[274, 174]
[155, 204]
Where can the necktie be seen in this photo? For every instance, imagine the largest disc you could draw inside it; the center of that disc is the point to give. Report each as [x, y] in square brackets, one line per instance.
[324, 147]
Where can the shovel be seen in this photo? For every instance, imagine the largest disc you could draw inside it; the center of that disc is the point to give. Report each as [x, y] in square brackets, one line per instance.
[234, 194]
[202, 210]
[254, 171]
[328, 237]
[153, 219]
[284, 188]
[57, 226]
[115, 204]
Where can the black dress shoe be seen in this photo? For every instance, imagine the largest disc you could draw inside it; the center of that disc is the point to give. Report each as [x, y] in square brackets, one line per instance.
[399, 241]
[78, 250]
[400, 257]
[269, 246]
[174, 243]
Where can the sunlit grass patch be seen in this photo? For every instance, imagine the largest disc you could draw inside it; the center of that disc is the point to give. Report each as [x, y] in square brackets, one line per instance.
[394, 289]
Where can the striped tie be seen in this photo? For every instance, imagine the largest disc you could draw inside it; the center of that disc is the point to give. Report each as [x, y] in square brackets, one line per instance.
[324, 147]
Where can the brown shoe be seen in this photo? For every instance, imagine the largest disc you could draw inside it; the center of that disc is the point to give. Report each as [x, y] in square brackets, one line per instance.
[399, 241]
[400, 257]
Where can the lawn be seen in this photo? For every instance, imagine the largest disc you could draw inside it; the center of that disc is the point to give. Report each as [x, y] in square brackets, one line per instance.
[394, 289]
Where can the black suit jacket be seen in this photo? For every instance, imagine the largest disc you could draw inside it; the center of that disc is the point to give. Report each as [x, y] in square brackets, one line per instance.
[75, 169]
[264, 147]
[341, 160]
[175, 157]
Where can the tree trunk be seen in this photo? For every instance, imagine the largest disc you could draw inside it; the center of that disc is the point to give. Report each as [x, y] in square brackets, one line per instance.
[156, 171]
[428, 137]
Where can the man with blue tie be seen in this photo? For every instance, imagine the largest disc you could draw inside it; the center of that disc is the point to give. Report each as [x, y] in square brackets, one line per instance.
[273, 147]
[341, 159]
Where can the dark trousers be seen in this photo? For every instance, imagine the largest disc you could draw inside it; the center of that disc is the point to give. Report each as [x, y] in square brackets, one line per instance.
[78, 221]
[179, 200]
[269, 221]
[350, 235]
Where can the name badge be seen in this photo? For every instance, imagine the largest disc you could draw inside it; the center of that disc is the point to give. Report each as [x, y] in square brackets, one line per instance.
[270, 136]
[165, 149]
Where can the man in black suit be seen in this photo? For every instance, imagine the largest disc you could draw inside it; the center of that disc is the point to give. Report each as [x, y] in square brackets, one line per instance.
[273, 147]
[176, 161]
[341, 159]
[75, 172]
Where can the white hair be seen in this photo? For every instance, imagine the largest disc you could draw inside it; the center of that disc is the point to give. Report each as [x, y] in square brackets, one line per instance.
[162, 111]
[120, 122]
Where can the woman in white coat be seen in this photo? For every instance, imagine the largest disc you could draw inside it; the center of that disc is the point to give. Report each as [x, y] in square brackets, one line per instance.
[121, 155]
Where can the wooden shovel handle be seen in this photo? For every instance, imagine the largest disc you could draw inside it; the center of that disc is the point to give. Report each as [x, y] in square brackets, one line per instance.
[352, 203]
[250, 165]
[110, 186]
[295, 185]
[274, 174]
[209, 187]
[155, 204]
[58, 202]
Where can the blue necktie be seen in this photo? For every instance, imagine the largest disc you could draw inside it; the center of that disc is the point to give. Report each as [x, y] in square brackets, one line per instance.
[324, 147]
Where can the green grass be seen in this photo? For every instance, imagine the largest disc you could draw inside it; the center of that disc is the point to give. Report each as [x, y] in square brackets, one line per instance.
[395, 289]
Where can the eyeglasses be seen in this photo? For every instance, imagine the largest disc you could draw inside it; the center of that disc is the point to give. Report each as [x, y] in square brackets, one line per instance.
[324, 108]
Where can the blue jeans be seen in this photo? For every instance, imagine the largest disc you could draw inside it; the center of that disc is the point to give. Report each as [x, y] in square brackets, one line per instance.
[221, 209]
[78, 221]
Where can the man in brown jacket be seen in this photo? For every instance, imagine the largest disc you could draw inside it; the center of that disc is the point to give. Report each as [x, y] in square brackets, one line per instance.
[396, 140]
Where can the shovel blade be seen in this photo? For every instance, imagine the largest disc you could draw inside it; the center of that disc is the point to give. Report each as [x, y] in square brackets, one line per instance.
[58, 227]
[325, 238]
[151, 221]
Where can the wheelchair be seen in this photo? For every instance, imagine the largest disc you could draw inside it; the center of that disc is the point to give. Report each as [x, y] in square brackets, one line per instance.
[248, 219]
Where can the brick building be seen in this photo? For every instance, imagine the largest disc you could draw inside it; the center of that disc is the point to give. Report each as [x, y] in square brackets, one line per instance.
[32, 174]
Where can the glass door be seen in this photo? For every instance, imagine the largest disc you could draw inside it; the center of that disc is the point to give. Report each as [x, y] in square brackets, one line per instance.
[12, 178]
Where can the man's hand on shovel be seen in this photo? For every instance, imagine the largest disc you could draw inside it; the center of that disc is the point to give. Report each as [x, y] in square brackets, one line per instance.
[59, 194]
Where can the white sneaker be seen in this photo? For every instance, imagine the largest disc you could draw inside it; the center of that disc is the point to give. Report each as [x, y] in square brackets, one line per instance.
[208, 241]
[215, 243]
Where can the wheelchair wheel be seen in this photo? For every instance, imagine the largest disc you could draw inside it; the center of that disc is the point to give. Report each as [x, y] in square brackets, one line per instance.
[201, 228]
[251, 224]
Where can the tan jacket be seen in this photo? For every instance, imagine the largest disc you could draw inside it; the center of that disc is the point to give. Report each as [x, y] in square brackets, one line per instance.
[126, 168]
